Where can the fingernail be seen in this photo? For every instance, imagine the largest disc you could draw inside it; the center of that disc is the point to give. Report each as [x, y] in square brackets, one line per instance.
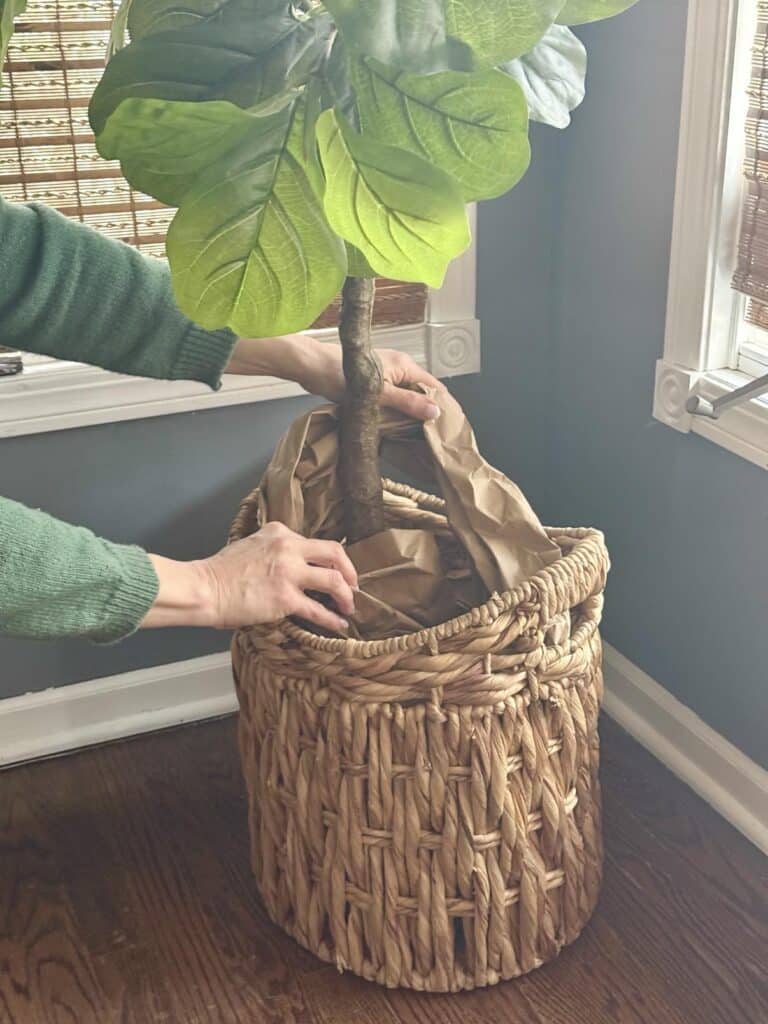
[432, 412]
[344, 624]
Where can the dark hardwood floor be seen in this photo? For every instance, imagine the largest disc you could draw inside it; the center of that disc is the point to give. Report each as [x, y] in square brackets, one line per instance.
[126, 896]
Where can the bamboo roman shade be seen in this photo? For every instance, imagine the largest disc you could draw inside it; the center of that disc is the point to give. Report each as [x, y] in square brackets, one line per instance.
[751, 275]
[47, 150]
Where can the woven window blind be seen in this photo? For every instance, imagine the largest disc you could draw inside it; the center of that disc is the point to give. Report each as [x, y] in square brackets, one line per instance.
[47, 151]
[751, 277]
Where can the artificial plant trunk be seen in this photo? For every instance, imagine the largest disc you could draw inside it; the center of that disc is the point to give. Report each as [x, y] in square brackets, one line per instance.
[359, 427]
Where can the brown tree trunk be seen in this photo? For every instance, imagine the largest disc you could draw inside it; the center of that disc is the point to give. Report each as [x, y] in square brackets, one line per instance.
[359, 427]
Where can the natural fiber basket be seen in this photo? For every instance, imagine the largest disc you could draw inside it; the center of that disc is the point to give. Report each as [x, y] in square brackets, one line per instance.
[425, 810]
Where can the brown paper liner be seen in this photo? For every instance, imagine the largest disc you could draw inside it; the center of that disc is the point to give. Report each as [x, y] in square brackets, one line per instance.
[411, 578]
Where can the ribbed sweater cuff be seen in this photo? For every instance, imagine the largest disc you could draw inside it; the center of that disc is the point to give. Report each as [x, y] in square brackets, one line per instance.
[203, 355]
[133, 597]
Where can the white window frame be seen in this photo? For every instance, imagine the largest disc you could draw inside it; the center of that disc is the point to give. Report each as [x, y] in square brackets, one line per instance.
[59, 396]
[704, 314]
[753, 351]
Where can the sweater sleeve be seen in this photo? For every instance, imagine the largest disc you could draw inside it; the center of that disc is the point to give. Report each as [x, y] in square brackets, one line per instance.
[67, 291]
[58, 580]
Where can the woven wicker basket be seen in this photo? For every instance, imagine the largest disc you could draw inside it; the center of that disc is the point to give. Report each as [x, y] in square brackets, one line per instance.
[425, 810]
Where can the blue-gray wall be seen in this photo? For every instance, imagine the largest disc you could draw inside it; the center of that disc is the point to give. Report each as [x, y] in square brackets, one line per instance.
[686, 521]
[171, 484]
[572, 291]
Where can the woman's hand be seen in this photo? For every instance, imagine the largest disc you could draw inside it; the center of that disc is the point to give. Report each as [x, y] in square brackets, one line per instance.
[262, 578]
[316, 366]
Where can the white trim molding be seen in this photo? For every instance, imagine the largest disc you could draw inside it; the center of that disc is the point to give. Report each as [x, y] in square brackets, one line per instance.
[59, 396]
[703, 312]
[84, 714]
[735, 786]
[68, 718]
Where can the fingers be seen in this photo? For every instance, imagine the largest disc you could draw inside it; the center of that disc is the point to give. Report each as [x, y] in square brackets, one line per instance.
[412, 373]
[332, 555]
[400, 372]
[402, 369]
[315, 612]
[330, 582]
[412, 403]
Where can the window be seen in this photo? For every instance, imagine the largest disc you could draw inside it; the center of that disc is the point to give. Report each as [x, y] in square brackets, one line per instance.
[47, 154]
[717, 328]
[751, 279]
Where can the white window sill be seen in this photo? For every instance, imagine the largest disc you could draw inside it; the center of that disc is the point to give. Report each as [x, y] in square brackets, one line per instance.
[753, 359]
[742, 429]
[60, 396]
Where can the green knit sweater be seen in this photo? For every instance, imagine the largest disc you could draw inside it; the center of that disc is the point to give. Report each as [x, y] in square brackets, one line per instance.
[68, 292]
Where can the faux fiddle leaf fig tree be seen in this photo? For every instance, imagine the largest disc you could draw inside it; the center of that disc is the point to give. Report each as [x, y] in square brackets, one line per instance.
[310, 147]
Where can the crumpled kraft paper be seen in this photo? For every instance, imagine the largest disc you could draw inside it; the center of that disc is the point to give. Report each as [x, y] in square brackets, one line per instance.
[412, 577]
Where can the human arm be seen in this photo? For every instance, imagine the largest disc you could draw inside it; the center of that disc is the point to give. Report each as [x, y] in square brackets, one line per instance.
[316, 366]
[69, 292]
[74, 294]
[261, 578]
[59, 580]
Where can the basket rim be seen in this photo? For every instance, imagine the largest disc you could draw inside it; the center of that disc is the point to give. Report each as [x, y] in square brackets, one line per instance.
[585, 542]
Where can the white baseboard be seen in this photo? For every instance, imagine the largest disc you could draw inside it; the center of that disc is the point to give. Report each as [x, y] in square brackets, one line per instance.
[54, 721]
[83, 714]
[735, 786]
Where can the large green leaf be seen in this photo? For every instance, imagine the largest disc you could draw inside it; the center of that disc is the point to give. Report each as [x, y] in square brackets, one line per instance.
[552, 76]
[119, 27]
[148, 17]
[579, 12]
[474, 126]
[164, 145]
[503, 29]
[250, 247]
[406, 216]
[8, 11]
[337, 83]
[236, 53]
[429, 35]
[406, 33]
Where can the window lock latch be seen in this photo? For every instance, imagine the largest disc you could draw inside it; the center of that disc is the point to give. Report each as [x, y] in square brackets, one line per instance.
[699, 406]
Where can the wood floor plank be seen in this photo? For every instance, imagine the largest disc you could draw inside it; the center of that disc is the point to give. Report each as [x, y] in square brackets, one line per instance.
[127, 898]
[700, 842]
[177, 932]
[46, 971]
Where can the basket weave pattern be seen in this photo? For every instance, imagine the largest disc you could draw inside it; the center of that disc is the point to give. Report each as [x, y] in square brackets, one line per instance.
[425, 810]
